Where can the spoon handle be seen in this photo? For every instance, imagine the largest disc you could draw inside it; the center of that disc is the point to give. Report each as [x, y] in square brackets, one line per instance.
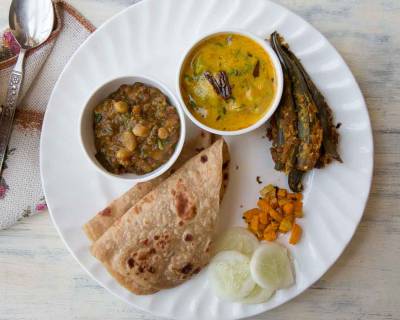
[8, 110]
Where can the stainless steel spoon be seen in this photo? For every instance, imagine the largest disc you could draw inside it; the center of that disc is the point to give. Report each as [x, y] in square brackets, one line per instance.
[31, 22]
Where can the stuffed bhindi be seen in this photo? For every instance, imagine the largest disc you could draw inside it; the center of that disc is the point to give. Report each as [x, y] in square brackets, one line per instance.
[302, 130]
[330, 136]
[284, 128]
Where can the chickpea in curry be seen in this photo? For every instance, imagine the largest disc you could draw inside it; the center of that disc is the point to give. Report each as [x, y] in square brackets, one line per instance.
[136, 129]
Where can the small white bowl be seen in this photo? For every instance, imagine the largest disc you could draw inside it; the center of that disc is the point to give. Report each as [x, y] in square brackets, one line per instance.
[279, 81]
[86, 132]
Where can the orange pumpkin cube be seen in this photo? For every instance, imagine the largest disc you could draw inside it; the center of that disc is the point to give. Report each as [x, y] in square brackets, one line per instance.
[281, 193]
[263, 205]
[264, 217]
[249, 214]
[285, 225]
[275, 215]
[298, 209]
[296, 234]
[288, 208]
[254, 223]
[270, 235]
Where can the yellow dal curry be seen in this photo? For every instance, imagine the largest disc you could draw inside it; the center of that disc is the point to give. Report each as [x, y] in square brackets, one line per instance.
[250, 73]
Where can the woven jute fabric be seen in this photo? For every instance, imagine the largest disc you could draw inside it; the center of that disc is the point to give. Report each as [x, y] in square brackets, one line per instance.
[20, 187]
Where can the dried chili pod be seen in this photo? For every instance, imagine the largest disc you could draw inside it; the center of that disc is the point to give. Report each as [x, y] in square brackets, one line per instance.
[225, 87]
[210, 78]
[220, 84]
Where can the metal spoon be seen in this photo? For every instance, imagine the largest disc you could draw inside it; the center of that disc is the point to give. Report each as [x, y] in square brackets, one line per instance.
[31, 22]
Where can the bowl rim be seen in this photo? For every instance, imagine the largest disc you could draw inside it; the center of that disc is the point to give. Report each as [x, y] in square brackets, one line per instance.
[275, 62]
[131, 79]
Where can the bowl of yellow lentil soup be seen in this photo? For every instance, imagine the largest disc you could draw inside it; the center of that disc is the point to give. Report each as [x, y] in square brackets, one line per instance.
[132, 128]
[230, 82]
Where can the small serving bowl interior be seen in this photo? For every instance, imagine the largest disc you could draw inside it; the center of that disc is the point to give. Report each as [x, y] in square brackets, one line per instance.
[279, 82]
[86, 130]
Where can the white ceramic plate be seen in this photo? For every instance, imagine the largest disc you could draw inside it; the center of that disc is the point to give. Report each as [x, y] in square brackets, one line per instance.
[148, 38]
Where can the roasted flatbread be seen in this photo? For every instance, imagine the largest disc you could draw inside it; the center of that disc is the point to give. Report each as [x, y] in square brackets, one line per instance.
[165, 238]
[96, 226]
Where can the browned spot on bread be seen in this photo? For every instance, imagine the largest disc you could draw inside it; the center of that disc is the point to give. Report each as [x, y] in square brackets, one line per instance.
[131, 263]
[161, 244]
[226, 176]
[203, 158]
[152, 270]
[197, 270]
[156, 237]
[105, 212]
[145, 253]
[225, 165]
[180, 223]
[185, 209]
[145, 242]
[187, 268]
[188, 237]
[173, 192]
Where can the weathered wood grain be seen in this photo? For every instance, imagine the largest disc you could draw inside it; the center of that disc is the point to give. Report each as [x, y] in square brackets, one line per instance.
[40, 280]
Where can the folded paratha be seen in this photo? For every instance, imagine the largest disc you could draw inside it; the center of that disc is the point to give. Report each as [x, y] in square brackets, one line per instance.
[165, 238]
[95, 227]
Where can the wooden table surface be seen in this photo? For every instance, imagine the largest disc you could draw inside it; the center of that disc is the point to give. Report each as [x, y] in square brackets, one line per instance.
[39, 279]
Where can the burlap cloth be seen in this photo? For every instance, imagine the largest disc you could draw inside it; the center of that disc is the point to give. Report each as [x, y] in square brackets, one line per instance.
[20, 188]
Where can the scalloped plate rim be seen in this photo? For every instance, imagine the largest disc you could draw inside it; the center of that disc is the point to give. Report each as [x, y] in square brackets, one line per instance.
[160, 314]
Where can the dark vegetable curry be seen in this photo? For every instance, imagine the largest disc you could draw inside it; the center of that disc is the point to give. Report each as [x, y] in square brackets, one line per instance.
[136, 130]
[228, 82]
